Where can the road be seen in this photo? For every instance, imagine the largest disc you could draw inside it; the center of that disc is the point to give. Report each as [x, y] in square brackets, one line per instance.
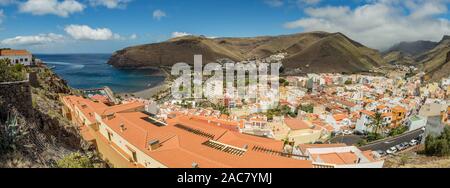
[346, 139]
[391, 142]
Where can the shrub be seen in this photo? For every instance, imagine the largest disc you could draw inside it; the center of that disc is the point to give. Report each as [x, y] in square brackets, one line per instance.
[9, 73]
[438, 146]
[75, 160]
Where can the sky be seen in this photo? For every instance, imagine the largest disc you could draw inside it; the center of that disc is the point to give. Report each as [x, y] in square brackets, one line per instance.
[104, 26]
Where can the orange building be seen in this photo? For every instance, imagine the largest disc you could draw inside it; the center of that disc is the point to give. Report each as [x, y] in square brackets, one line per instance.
[127, 137]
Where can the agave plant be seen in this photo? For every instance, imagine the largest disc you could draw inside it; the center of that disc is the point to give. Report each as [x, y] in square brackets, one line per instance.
[10, 135]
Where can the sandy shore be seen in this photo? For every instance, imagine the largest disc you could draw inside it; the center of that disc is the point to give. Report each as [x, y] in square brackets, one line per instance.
[150, 92]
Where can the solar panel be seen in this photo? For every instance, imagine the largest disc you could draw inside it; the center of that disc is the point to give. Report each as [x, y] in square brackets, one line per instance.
[224, 148]
[195, 131]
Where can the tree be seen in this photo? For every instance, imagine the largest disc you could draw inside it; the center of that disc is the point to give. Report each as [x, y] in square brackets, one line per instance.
[348, 82]
[75, 160]
[307, 108]
[377, 123]
[438, 146]
[398, 130]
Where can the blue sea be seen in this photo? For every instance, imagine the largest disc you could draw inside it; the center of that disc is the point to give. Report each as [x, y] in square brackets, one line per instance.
[90, 71]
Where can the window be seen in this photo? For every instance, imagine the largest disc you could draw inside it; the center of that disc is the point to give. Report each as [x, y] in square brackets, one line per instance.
[110, 135]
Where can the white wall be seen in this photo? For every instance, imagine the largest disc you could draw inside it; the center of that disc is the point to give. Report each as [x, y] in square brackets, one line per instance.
[25, 60]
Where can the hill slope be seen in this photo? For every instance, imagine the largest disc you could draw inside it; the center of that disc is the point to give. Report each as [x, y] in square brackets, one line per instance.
[413, 48]
[436, 62]
[323, 52]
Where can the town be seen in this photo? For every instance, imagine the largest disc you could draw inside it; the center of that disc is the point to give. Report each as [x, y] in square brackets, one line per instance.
[318, 121]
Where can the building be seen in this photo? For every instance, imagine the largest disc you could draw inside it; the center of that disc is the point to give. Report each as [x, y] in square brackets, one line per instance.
[126, 137]
[17, 56]
[416, 122]
[339, 156]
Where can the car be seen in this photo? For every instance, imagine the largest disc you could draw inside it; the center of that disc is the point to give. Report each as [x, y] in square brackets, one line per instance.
[381, 153]
[348, 132]
[405, 145]
[391, 150]
[413, 142]
[400, 147]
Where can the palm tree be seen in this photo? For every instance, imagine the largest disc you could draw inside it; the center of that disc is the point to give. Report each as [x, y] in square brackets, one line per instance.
[377, 122]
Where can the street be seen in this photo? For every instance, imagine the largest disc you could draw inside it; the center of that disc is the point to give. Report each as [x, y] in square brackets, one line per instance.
[385, 144]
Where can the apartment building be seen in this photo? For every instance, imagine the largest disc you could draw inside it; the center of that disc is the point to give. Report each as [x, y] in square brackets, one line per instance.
[180, 142]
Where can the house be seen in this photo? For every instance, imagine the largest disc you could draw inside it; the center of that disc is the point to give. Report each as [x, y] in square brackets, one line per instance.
[17, 56]
[416, 122]
[398, 115]
[302, 131]
[366, 119]
[339, 156]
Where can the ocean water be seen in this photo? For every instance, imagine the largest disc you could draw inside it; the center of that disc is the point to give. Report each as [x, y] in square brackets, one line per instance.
[89, 71]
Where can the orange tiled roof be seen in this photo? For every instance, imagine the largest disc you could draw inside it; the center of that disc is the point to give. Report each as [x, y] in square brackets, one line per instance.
[296, 124]
[14, 53]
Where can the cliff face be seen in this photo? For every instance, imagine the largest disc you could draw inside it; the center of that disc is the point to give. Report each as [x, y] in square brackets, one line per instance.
[41, 135]
[321, 51]
[436, 62]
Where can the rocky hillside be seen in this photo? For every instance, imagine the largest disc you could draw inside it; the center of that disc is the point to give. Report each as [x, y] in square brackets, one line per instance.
[309, 52]
[412, 48]
[32, 131]
[436, 62]
[431, 57]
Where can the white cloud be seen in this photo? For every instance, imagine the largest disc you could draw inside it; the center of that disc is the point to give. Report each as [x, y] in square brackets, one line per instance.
[133, 37]
[381, 23]
[274, 3]
[110, 3]
[32, 40]
[84, 32]
[42, 7]
[177, 34]
[158, 14]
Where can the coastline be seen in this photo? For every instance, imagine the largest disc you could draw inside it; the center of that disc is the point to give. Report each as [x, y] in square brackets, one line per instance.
[152, 91]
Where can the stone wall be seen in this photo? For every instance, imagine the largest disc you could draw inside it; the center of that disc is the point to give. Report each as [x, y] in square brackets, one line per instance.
[16, 95]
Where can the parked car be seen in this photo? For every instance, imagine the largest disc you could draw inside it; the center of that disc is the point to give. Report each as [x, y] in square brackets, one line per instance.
[348, 132]
[381, 153]
[405, 145]
[400, 147]
[391, 150]
[413, 142]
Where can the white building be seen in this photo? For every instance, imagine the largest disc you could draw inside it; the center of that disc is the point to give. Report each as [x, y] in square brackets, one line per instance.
[16, 56]
[416, 122]
[339, 156]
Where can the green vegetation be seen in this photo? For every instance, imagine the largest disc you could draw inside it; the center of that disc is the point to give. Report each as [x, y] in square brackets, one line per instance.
[377, 123]
[283, 82]
[10, 134]
[438, 146]
[398, 130]
[374, 137]
[10, 73]
[362, 143]
[348, 82]
[280, 111]
[307, 108]
[75, 160]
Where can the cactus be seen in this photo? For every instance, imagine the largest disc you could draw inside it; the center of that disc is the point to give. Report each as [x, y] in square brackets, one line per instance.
[10, 135]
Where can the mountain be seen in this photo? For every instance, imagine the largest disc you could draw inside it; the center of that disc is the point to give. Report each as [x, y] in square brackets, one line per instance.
[397, 57]
[412, 48]
[309, 52]
[436, 62]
